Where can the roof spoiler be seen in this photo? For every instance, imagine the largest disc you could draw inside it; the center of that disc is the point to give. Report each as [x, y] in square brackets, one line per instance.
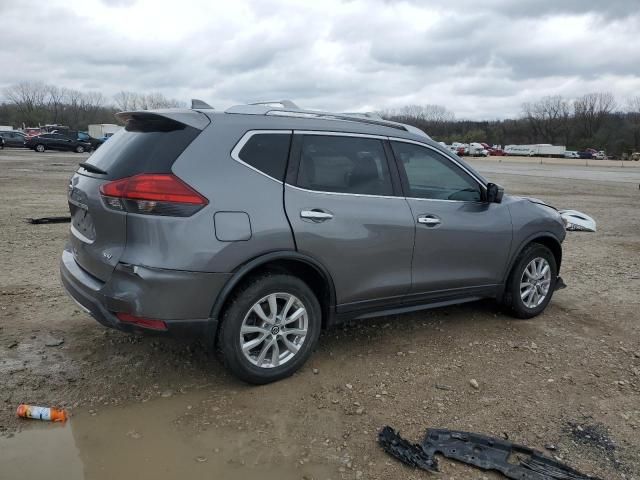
[192, 118]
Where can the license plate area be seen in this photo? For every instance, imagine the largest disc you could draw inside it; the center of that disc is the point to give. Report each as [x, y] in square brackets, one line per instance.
[81, 220]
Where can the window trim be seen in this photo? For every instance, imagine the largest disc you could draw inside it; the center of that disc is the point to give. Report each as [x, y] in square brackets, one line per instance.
[296, 158]
[405, 181]
[235, 151]
[397, 174]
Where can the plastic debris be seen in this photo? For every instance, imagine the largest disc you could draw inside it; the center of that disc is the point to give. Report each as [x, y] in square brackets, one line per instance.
[481, 451]
[575, 221]
[43, 220]
[41, 413]
[410, 453]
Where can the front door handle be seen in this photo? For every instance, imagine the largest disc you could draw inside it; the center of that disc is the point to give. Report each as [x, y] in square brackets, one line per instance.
[429, 220]
[316, 215]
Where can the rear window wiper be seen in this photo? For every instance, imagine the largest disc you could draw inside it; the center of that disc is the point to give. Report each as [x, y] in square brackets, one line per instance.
[92, 168]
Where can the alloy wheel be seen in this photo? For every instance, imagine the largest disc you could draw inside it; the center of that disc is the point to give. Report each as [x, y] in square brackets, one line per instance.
[273, 330]
[535, 282]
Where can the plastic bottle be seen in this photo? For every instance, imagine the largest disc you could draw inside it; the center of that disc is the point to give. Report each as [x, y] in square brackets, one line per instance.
[41, 413]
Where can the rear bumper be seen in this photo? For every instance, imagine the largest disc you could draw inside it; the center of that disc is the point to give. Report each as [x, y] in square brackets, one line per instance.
[183, 300]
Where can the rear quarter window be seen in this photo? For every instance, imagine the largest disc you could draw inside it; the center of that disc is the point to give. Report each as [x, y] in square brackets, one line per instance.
[267, 152]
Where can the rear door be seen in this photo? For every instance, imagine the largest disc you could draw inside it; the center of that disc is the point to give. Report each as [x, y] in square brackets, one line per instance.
[148, 144]
[347, 212]
[462, 242]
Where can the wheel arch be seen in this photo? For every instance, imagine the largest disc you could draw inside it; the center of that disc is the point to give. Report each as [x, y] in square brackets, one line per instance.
[545, 238]
[302, 266]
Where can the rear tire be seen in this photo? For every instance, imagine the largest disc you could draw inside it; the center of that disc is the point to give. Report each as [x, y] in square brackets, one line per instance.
[261, 344]
[39, 148]
[79, 149]
[531, 282]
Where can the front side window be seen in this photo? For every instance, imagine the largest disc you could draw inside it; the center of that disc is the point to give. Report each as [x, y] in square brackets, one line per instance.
[344, 164]
[267, 152]
[431, 175]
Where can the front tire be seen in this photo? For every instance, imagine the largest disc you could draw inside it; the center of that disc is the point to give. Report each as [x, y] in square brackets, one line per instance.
[532, 282]
[269, 328]
[39, 148]
[79, 149]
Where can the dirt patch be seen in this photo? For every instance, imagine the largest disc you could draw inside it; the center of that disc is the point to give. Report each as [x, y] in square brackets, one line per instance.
[580, 359]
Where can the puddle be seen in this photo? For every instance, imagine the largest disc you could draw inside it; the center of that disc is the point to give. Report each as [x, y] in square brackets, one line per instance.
[154, 440]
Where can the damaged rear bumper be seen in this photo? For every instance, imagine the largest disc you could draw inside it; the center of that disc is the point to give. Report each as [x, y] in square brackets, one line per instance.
[182, 300]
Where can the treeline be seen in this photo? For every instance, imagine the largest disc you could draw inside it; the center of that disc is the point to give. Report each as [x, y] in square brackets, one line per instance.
[594, 120]
[33, 104]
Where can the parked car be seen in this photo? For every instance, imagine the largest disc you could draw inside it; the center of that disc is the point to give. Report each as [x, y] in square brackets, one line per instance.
[478, 150]
[585, 154]
[259, 226]
[459, 151]
[12, 138]
[85, 137]
[571, 154]
[56, 141]
[496, 152]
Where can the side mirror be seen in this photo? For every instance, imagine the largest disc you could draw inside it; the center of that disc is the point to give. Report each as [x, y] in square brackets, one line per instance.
[494, 193]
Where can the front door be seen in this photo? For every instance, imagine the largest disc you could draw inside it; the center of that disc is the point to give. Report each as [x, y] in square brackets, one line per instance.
[347, 212]
[462, 242]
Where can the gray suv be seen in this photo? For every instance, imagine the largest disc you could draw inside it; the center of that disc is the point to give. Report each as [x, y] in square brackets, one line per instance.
[258, 227]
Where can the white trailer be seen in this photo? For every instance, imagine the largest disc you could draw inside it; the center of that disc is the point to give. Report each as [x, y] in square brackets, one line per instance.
[517, 150]
[547, 150]
[101, 130]
[536, 150]
[4, 128]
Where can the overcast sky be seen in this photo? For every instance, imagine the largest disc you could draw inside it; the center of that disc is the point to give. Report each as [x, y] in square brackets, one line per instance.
[481, 62]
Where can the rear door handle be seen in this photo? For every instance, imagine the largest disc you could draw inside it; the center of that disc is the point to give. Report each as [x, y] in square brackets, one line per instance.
[316, 214]
[429, 220]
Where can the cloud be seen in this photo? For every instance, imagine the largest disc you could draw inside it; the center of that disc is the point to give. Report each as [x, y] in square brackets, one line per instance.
[339, 55]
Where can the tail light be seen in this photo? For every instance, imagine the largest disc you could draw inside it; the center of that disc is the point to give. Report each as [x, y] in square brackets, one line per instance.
[152, 194]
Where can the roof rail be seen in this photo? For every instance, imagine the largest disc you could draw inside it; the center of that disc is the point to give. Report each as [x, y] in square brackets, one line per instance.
[290, 109]
[337, 116]
[284, 103]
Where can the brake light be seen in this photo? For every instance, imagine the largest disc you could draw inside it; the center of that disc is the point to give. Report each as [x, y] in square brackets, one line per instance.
[153, 194]
[141, 322]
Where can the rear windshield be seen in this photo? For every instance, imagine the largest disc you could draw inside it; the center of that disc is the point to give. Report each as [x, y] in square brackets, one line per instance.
[148, 145]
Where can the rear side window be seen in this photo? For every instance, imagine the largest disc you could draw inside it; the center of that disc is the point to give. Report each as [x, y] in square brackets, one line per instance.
[147, 144]
[344, 164]
[268, 153]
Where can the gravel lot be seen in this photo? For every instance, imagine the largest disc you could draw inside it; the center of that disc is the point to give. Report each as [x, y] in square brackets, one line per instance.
[150, 407]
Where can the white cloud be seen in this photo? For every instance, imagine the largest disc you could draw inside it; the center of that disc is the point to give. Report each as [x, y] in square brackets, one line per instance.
[341, 55]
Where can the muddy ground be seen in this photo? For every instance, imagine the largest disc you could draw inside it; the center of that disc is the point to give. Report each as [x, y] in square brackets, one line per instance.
[145, 407]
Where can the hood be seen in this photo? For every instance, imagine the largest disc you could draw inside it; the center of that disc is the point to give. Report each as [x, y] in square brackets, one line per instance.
[574, 221]
[538, 201]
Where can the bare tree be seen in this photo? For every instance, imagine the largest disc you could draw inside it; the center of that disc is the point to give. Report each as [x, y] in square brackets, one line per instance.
[29, 98]
[591, 110]
[549, 118]
[56, 97]
[633, 116]
[422, 113]
[126, 100]
[140, 101]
